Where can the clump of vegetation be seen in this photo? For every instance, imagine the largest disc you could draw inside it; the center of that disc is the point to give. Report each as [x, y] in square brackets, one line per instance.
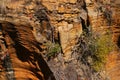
[100, 48]
[94, 49]
[53, 49]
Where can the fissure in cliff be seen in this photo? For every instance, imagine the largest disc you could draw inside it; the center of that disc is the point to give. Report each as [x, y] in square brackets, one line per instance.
[6, 64]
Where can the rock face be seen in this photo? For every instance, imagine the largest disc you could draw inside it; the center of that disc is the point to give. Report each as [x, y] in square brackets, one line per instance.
[27, 25]
[24, 52]
[100, 25]
[65, 18]
[20, 36]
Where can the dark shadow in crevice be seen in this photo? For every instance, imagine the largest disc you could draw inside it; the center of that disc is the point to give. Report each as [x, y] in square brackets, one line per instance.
[84, 6]
[22, 53]
[48, 74]
[84, 26]
[0, 26]
[118, 43]
[36, 73]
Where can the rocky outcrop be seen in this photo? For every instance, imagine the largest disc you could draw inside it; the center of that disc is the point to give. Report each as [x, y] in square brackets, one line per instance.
[65, 18]
[100, 25]
[24, 52]
[21, 40]
[27, 25]
[30, 24]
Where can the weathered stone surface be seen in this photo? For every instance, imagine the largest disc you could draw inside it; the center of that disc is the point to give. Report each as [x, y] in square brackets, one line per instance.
[21, 36]
[100, 26]
[66, 14]
[34, 21]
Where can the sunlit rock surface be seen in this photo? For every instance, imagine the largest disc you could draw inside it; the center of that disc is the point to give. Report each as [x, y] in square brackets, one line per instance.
[28, 24]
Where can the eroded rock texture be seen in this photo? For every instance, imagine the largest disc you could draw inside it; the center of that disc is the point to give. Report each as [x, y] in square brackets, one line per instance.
[101, 24]
[27, 25]
[19, 33]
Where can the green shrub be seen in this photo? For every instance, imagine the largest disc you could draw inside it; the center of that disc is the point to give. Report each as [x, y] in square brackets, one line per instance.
[101, 47]
[53, 49]
[94, 48]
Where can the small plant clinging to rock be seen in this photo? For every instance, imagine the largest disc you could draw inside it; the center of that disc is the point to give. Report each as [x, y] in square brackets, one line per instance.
[52, 49]
[103, 45]
[93, 49]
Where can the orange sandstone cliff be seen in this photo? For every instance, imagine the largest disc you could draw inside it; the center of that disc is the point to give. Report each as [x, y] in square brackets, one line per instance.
[43, 39]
